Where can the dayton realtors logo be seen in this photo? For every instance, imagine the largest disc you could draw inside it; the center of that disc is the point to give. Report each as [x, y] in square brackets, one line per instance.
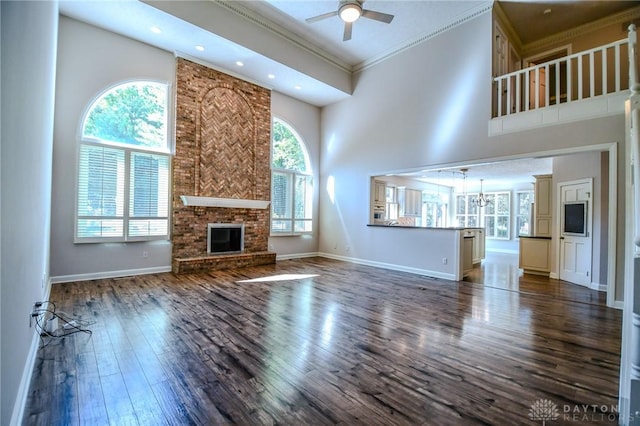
[544, 410]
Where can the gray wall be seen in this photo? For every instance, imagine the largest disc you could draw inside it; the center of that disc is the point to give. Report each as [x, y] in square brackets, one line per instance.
[421, 108]
[91, 60]
[305, 120]
[28, 76]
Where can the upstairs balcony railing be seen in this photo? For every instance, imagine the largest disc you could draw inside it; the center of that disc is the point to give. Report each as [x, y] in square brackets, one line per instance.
[596, 72]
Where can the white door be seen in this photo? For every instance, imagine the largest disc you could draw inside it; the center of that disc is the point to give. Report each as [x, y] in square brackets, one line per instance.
[575, 248]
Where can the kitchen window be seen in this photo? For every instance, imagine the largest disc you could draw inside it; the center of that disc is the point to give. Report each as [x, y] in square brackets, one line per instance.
[434, 210]
[524, 200]
[391, 200]
[124, 165]
[497, 215]
[467, 211]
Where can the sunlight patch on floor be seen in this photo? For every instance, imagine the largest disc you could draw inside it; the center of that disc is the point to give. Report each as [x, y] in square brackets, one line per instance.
[281, 277]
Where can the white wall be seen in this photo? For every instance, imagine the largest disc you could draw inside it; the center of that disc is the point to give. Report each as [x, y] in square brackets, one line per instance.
[424, 107]
[91, 60]
[305, 120]
[28, 76]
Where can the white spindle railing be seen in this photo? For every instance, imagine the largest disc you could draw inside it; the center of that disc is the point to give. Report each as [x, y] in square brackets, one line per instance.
[583, 75]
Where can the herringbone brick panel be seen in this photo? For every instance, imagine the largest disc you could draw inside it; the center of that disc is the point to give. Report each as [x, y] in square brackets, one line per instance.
[227, 139]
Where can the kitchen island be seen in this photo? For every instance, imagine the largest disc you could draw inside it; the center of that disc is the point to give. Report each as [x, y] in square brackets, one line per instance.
[448, 253]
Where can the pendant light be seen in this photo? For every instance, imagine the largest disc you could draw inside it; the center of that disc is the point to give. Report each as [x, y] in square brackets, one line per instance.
[482, 200]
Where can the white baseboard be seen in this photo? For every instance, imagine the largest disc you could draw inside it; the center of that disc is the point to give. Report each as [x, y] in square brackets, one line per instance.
[23, 390]
[598, 287]
[505, 251]
[394, 267]
[109, 274]
[296, 256]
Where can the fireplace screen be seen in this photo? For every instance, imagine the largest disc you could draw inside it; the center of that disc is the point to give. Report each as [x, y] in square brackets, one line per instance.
[225, 238]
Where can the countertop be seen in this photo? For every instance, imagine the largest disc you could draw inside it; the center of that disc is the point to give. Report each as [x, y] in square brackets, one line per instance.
[450, 228]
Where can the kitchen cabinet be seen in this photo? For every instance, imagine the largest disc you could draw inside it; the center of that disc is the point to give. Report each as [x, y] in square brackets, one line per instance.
[467, 255]
[535, 255]
[543, 213]
[477, 235]
[379, 195]
[378, 201]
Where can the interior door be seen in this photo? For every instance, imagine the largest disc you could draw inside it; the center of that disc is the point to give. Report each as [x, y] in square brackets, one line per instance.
[576, 250]
[537, 86]
[501, 63]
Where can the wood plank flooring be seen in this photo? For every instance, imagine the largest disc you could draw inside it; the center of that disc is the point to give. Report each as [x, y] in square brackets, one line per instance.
[351, 344]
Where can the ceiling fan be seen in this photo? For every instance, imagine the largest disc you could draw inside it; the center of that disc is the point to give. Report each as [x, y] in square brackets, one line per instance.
[349, 11]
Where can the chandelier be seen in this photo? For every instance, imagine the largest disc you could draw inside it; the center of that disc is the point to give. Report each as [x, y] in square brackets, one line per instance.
[481, 200]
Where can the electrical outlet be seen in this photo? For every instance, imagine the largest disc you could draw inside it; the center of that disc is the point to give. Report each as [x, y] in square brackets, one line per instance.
[145, 254]
[35, 312]
[444, 260]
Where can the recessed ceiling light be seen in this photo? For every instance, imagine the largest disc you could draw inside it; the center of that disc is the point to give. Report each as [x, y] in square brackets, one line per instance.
[155, 30]
[239, 63]
[200, 48]
[297, 87]
[271, 76]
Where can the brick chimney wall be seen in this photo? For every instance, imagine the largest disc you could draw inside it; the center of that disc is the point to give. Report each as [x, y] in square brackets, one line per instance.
[223, 143]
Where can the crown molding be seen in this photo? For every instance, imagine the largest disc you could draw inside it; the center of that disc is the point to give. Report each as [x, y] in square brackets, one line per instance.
[482, 8]
[565, 36]
[262, 22]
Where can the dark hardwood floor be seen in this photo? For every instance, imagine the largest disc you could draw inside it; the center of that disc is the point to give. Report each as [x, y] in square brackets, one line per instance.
[338, 343]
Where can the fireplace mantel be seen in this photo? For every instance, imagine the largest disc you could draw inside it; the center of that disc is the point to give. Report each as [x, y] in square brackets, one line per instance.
[237, 203]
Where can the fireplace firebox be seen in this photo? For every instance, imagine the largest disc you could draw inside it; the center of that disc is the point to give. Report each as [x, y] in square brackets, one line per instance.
[225, 238]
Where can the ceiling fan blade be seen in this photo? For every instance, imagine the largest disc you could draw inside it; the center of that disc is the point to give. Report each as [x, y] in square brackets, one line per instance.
[347, 31]
[321, 17]
[377, 16]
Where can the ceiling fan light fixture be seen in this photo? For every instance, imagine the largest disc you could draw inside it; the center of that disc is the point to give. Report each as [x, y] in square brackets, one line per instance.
[350, 12]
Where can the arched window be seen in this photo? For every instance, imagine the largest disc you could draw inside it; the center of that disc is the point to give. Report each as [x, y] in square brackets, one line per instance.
[291, 182]
[123, 165]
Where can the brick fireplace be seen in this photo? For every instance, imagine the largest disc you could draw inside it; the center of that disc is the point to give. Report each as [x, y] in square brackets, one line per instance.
[223, 142]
